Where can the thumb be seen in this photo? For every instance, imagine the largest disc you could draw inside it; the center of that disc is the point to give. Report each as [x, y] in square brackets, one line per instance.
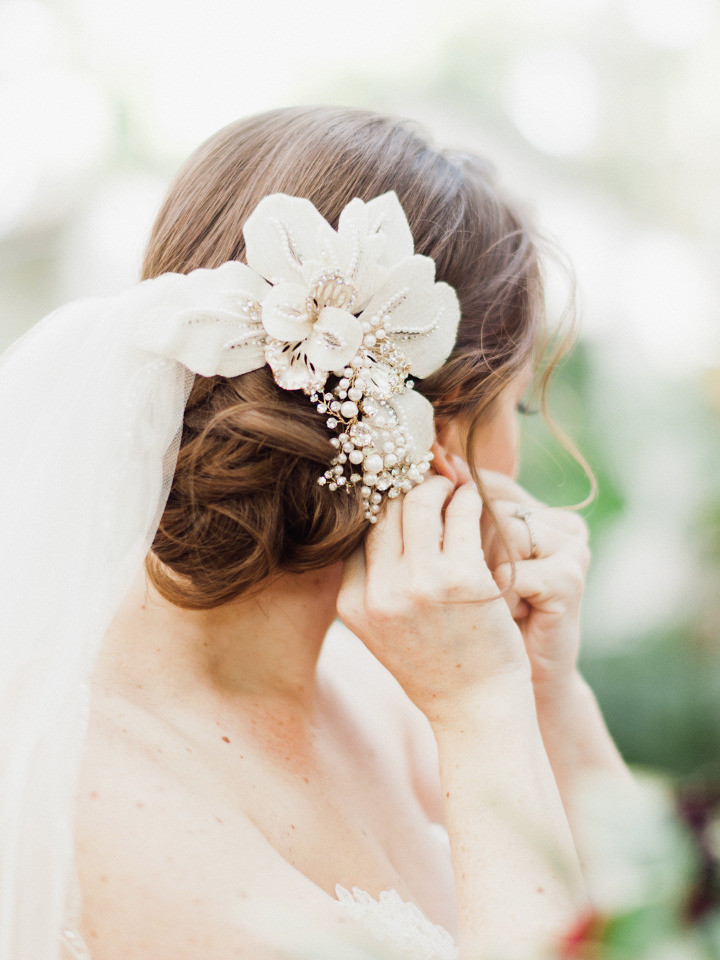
[461, 469]
[351, 598]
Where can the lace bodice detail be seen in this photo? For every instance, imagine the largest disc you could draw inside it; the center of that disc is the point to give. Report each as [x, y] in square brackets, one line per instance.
[402, 929]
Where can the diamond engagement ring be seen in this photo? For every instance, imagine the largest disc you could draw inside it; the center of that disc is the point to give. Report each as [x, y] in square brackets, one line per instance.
[524, 513]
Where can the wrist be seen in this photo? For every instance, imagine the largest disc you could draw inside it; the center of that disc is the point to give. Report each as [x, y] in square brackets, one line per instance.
[573, 729]
[560, 692]
[492, 701]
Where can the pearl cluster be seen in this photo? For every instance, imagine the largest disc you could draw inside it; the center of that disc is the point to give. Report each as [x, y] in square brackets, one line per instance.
[372, 445]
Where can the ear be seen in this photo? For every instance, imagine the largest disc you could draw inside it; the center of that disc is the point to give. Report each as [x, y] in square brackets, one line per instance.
[442, 463]
[448, 450]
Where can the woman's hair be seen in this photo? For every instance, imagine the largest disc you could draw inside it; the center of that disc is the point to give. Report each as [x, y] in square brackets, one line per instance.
[245, 503]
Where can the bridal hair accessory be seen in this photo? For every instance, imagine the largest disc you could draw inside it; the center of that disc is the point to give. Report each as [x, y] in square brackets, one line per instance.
[345, 316]
[92, 402]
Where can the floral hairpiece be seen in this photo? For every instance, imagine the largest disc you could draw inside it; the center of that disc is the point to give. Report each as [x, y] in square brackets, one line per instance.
[356, 305]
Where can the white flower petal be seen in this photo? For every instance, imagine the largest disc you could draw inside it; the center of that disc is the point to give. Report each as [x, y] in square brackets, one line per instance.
[240, 354]
[420, 316]
[291, 367]
[386, 218]
[372, 237]
[334, 340]
[359, 251]
[284, 314]
[377, 376]
[327, 246]
[382, 224]
[415, 415]
[208, 320]
[282, 234]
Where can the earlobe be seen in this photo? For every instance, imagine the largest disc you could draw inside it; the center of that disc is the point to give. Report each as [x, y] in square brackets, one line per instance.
[443, 462]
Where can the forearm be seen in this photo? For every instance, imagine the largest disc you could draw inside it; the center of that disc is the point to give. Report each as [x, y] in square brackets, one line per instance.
[574, 732]
[576, 739]
[517, 874]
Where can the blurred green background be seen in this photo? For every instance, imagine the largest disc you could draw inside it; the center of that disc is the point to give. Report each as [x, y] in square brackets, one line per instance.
[601, 115]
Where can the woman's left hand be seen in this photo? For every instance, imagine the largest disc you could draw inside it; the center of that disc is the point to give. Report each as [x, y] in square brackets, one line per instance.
[545, 600]
[551, 556]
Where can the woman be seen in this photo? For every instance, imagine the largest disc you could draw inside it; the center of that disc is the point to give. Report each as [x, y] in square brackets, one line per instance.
[233, 758]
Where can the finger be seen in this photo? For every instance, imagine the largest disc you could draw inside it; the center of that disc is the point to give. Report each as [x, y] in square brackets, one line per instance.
[462, 469]
[519, 608]
[570, 523]
[548, 537]
[462, 542]
[498, 486]
[422, 520]
[554, 585]
[384, 541]
[511, 539]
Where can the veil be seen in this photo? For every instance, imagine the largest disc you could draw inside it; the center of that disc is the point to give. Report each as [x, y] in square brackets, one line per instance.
[89, 432]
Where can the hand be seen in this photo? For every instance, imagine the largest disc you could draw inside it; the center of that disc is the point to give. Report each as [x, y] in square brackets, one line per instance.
[420, 595]
[546, 595]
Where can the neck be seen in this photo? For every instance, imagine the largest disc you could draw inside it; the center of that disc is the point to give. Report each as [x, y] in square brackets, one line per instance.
[263, 648]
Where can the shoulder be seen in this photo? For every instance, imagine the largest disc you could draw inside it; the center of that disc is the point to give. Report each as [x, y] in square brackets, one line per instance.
[166, 860]
[381, 705]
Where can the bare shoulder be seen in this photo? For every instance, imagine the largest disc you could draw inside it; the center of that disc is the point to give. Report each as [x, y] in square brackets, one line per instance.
[390, 716]
[169, 863]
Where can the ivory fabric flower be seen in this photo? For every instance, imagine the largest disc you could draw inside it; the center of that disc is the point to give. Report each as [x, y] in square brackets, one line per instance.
[208, 320]
[419, 317]
[355, 302]
[327, 285]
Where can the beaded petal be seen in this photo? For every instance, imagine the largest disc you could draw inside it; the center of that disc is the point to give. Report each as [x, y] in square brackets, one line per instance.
[345, 316]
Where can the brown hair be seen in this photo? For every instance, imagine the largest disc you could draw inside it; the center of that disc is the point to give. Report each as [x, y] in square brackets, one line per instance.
[245, 503]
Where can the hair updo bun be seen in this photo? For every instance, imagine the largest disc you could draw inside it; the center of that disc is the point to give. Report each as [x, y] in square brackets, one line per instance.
[245, 503]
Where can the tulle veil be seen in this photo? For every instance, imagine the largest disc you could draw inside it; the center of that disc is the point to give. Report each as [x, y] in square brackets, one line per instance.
[89, 432]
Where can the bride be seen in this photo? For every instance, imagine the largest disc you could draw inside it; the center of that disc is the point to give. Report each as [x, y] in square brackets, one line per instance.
[198, 759]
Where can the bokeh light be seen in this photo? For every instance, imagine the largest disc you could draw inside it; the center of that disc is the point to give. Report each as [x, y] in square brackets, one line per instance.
[29, 37]
[60, 126]
[671, 23]
[553, 99]
[669, 302]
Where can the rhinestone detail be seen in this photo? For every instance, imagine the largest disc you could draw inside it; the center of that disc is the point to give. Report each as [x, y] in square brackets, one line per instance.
[374, 443]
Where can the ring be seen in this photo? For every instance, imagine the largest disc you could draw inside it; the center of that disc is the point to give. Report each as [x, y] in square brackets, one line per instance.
[524, 513]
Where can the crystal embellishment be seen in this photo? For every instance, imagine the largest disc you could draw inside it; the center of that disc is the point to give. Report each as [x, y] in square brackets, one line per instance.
[345, 315]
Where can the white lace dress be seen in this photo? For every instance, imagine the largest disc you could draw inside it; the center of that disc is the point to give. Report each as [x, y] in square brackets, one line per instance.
[402, 930]
[401, 927]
